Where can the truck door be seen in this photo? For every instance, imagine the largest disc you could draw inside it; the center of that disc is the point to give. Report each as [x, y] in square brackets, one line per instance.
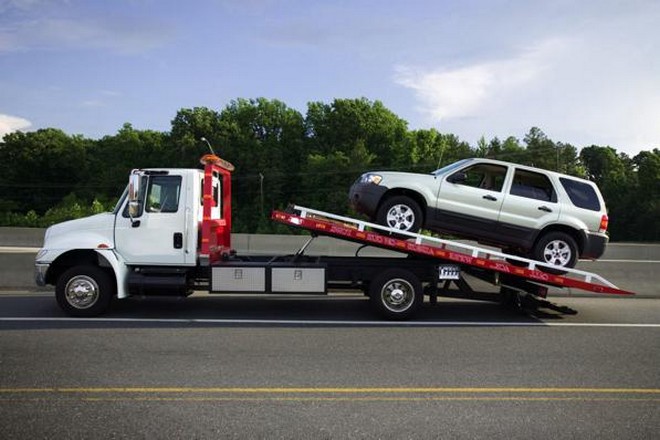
[157, 234]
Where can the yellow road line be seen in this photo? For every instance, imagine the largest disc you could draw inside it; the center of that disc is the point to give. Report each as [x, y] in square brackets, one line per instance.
[328, 390]
[367, 399]
[345, 399]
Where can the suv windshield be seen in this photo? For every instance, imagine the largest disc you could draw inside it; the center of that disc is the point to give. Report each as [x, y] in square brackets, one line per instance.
[450, 167]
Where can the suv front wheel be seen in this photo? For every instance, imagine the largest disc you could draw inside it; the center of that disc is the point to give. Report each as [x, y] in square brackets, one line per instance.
[556, 248]
[400, 212]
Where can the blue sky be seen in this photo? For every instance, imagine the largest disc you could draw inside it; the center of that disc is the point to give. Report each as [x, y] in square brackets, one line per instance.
[585, 71]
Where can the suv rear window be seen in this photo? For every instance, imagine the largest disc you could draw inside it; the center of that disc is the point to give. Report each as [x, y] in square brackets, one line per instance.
[581, 194]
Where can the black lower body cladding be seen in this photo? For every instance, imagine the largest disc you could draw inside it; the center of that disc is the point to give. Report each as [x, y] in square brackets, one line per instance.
[365, 197]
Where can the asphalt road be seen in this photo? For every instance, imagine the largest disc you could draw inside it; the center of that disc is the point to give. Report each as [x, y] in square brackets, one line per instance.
[324, 368]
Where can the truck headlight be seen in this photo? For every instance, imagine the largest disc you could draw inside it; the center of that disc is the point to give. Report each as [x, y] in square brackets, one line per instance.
[371, 178]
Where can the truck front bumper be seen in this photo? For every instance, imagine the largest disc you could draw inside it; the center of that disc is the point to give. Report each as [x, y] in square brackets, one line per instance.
[40, 270]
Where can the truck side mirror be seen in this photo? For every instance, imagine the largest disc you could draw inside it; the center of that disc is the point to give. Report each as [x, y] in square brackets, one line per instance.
[133, 195]
[133, 209]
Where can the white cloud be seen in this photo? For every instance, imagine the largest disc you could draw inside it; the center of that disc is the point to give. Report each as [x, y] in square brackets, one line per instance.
[9, 124]
[596, 87]
[464, 91]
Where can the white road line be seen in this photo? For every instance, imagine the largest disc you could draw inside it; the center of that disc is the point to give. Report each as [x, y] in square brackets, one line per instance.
[331, 322]
[18, 250]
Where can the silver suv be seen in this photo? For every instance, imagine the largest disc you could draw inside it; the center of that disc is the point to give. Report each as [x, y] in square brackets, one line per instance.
[540, 214]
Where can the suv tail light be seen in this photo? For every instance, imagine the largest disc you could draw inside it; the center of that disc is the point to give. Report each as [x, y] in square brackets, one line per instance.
[603, 223]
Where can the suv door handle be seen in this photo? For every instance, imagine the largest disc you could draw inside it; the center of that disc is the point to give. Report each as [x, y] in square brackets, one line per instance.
[545, 208]
[491, 198]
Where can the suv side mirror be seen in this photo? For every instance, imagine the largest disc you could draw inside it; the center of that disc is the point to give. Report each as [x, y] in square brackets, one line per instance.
[458, 177]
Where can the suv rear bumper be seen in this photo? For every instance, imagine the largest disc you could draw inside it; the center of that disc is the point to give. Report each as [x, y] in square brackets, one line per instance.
[594, 245]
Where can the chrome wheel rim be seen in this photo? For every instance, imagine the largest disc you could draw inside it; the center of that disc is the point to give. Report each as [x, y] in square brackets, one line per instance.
[400, 217]
[81, 292]
[558, 253]
[397, 295]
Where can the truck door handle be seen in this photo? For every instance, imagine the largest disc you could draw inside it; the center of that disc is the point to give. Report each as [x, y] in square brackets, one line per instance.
[178, 240]
[491, 198]
[545, 208]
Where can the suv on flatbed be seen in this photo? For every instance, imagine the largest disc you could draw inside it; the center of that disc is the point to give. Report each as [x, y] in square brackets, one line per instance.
[540, 214]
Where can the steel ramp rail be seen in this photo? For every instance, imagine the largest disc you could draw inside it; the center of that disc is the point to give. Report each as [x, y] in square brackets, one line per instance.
[372, 234]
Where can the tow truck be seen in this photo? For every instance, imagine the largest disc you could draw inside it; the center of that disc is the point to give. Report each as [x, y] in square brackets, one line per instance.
[170, 234]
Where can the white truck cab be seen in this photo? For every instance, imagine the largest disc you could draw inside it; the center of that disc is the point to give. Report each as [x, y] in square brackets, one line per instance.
[150, 242]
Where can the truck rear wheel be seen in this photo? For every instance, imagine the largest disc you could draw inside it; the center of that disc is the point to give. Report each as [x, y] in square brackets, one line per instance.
[396, 294]
[84, 291]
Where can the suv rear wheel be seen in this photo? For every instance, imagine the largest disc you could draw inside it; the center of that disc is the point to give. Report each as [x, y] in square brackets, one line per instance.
[556, 248]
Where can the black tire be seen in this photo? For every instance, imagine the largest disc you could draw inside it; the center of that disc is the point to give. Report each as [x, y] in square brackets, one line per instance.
[400, 212]
[396, 294]
[557, 248]
[84, 291]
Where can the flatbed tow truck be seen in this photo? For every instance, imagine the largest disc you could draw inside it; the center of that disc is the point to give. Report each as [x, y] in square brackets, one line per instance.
[170, 234]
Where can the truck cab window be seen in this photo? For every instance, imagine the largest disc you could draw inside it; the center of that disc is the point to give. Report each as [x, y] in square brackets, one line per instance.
[163, 194]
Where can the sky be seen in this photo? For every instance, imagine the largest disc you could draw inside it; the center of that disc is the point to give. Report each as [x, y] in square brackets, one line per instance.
[584, 71]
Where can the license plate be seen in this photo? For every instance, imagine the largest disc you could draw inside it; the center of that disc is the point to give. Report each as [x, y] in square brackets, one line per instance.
[449, 272]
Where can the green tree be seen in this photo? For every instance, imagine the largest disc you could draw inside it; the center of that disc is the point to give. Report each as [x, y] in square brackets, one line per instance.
[265, 139]
[347, 123]
[113, 157]
[39, 168]
[616, 182]
[541, 152]
[189, 126]
[645, 197]
[431, 150]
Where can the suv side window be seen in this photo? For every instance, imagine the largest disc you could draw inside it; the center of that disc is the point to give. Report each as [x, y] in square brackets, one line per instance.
[581, 194]
[163, 194]
[533, 186]
[485, 176]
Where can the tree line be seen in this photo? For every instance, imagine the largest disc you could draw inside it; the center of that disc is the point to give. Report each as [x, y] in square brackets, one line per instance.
[282, 156]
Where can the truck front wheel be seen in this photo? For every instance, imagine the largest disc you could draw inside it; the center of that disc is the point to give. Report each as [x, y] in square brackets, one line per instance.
[396, 294]
[84, 291]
